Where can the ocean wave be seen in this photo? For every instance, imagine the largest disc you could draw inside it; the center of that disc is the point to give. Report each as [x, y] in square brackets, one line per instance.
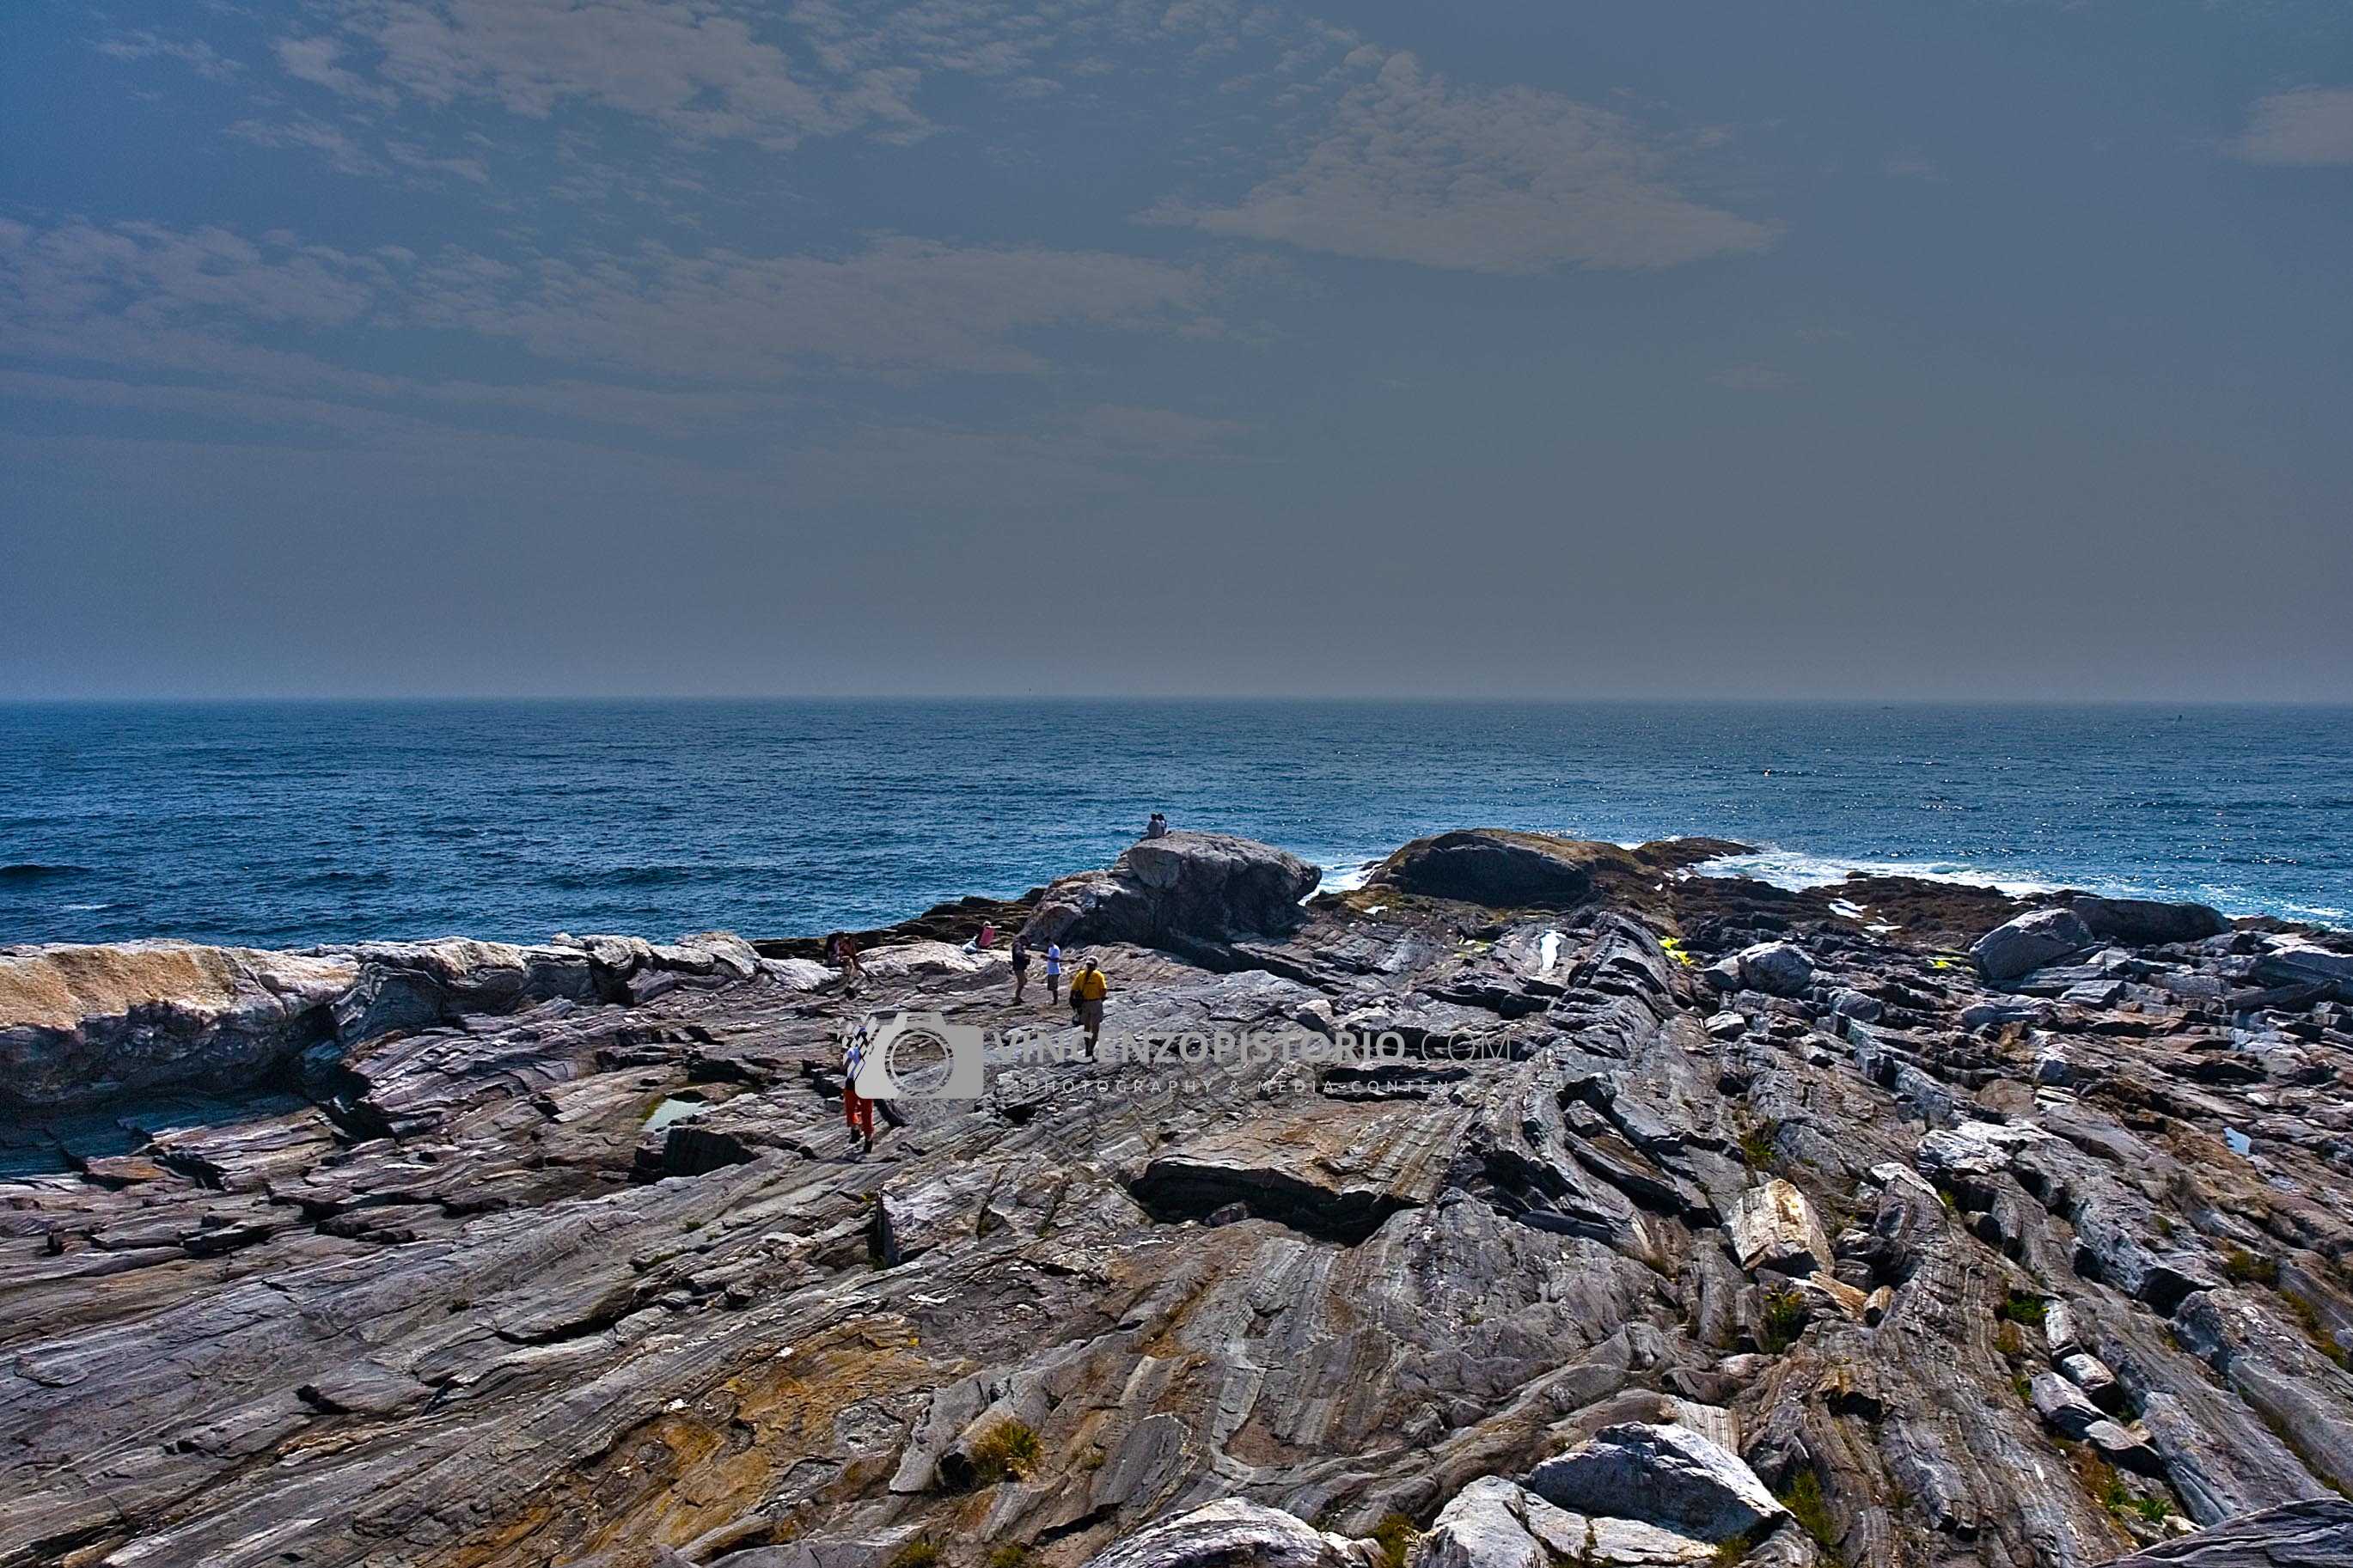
[34, 871]
[1798, 872]
[1346, 876]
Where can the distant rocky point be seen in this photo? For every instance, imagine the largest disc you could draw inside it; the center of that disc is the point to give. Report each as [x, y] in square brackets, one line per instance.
[1698, 1221]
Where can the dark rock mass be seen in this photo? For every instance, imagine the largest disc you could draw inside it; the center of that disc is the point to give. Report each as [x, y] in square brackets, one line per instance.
[1200, 887]
[1537, 1204]
[2138, 922]
[1497, 868]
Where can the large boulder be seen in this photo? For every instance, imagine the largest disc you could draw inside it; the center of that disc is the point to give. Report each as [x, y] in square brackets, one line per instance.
[1776, 968]
[2300, 961]
[2315, 1534]
[2020, 946]
[2146, 922]
[1177, 888]
[81, 1024]
[1773, 1226]
[1235, 1533]
[1499, 867]
[1664, 1475]
[1494, 1523]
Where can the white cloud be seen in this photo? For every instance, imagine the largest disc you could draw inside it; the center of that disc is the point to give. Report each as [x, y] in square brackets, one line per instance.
[342, 154]
[2307, 127]
[313, 61]
[140, 44]
[1413, 168]
[699, 69]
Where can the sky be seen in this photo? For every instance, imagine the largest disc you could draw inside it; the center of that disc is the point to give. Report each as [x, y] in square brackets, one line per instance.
[1972, 348]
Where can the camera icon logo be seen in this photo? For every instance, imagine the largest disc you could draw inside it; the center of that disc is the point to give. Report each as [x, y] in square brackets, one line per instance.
[917, 1056]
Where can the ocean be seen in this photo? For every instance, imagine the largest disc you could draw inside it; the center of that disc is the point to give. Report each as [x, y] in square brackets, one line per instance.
[287, 824]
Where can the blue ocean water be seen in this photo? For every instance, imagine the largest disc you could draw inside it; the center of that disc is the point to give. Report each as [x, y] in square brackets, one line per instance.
[293, 823]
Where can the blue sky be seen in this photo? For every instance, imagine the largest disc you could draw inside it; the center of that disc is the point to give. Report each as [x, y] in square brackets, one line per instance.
[1984, 348]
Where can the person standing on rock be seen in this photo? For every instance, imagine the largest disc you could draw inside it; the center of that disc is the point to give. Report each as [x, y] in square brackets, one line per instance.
[1053, 972]
[1088, 989]
[856, 1109]
[845, 957]
[1020, 964]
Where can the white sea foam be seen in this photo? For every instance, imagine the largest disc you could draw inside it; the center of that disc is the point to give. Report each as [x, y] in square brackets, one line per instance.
[1346, 876]
[1548, 952]
[1798, 872]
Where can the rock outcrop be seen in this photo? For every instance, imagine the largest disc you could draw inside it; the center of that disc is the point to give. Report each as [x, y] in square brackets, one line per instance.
[2141, 922]
[1498, 868]
[83, 1026]
[1597, 1261]
[2020, 946]
[1665, 1475]
[83, 1023]
[1237, 1533]
[1177, 890]
[2298, 1535]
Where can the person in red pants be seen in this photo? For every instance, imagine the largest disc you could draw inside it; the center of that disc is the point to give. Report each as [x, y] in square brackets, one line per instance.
[856, 1109]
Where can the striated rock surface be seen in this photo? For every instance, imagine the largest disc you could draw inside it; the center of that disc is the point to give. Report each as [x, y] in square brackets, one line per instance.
[2296, 1535]
[1597, 1261]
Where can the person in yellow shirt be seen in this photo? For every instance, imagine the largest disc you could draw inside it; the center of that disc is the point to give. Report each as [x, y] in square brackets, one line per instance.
[1088, 990]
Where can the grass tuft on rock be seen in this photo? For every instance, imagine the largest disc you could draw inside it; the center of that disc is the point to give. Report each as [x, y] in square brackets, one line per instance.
[2021, 1307]
[1804, 1499]
[2307, 1318]
[2247, 1268]
[1395, 1535]
[921, 1553]
[1756, 1143]
[1008, 1449]
[1785, 1320]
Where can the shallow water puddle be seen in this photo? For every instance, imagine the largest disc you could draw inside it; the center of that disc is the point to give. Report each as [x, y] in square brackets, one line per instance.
[674, 1108]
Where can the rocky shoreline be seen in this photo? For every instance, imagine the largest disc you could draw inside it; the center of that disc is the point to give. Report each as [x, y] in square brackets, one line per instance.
[1889, 1222]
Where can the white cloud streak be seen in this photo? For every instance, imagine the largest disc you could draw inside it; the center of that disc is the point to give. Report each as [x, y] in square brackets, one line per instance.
[2308, 127]
[1413, 168]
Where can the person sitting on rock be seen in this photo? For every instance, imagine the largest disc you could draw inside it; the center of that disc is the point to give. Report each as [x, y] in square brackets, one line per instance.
[986, 939]
[1088, 989]
[1156, 828]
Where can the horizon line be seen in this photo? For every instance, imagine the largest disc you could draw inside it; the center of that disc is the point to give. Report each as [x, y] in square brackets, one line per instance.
[325, 698]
